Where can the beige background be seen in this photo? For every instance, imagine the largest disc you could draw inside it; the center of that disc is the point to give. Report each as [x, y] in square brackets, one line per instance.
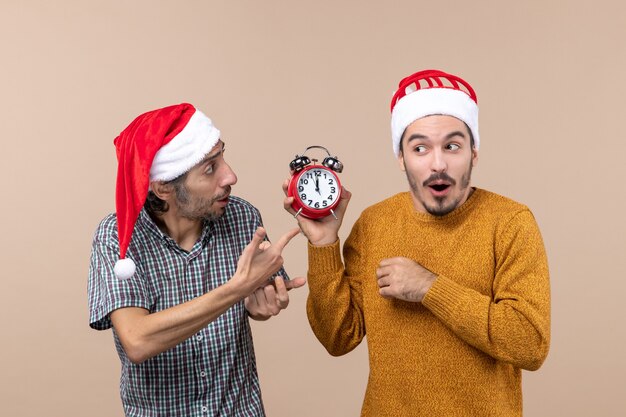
[277, 76]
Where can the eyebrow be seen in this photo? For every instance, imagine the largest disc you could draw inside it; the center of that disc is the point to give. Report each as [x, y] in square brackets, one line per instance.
[211, 157]
[418, 136]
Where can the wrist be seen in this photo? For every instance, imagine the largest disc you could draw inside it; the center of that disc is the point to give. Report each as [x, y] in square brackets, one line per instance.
[236, 287]
[428, 283]
[325, 241]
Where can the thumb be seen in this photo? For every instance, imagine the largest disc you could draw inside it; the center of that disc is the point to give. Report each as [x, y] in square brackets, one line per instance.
[257, 238]
[253, 246]
[295, 283]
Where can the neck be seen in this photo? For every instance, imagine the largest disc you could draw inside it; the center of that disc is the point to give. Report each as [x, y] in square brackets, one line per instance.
[185, 232]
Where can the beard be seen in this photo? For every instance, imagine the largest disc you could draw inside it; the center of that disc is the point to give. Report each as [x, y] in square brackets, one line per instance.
[198, 208]
[442, 206]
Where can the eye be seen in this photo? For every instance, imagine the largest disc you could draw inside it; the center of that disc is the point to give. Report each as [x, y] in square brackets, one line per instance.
[453, 146]
[420, 149]
[209, 169]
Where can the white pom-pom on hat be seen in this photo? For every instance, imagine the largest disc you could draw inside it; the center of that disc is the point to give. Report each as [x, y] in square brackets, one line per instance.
[124, 268]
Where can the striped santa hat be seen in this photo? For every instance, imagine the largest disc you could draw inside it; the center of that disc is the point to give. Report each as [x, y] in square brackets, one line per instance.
[432, 92]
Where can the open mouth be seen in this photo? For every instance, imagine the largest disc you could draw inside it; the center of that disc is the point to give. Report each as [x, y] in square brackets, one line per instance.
[224, 199]
[439, 187]
[439, 184]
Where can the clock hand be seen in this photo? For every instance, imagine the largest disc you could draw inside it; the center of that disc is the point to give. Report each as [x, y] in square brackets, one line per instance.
[317, 185]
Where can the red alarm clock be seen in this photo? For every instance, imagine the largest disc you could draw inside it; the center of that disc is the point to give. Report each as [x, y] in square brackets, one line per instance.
[316, 188]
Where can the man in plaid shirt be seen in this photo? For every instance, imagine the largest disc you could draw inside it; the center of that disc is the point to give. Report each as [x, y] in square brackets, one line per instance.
[179, 268]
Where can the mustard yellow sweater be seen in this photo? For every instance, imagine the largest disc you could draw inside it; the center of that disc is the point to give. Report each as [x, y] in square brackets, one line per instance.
[460, 352]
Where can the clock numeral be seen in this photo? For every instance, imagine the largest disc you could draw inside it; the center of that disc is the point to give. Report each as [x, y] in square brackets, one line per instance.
[317, 204]
[300, 188]
[318, 173]
[330, 197]
[331, 182]
[325, 203]
[333, 190]
[303, 196]
[310, 202]
[304, 181]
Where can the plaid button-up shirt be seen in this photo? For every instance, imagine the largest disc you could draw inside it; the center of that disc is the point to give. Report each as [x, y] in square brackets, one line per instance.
[213, 373]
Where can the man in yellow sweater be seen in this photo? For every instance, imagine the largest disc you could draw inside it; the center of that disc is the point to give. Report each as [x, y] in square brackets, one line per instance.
[449, 282]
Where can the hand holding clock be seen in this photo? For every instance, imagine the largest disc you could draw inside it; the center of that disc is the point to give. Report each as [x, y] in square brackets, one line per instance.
[324, 231]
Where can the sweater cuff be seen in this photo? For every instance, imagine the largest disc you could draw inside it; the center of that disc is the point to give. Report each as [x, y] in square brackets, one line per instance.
[444, 297]
[324, 259]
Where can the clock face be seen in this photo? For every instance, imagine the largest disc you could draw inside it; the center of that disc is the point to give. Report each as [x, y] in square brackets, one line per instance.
[317, 188]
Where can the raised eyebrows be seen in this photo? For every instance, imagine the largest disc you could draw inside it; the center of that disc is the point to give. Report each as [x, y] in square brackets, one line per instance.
[418, 136]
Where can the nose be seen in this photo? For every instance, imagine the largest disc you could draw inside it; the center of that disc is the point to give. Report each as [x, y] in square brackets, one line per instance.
[229, 177]
[438, 162]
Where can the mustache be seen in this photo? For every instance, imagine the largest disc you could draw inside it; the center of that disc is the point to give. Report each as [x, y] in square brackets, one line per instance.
[439, 176]
[225, 194]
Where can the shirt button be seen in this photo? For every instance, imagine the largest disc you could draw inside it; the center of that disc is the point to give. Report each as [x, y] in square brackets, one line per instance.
[204, 409]
[202, 374]
[199, 337]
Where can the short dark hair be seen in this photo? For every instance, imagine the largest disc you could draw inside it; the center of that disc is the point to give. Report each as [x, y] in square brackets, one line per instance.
[154, 205]
[468, 129]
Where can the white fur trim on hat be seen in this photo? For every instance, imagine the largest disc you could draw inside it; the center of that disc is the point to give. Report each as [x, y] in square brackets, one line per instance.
[433, 101]
[186, 149]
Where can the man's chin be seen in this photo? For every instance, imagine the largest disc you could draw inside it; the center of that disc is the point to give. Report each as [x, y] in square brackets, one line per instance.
[214, 215]
[440, 211]
[216, 212]
[440, 206]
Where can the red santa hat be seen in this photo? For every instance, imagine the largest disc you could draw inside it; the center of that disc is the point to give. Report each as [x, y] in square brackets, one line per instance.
[428, 93]
[159, 145]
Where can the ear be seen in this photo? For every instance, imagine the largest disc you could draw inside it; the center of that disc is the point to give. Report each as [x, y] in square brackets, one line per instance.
[162, 190]
[474, 157]
[401, 161]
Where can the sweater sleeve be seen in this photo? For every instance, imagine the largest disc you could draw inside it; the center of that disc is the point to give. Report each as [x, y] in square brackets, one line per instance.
[334, 304]
[513, 325]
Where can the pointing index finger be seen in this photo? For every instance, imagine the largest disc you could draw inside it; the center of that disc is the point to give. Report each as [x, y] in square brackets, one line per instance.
[286, 238]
